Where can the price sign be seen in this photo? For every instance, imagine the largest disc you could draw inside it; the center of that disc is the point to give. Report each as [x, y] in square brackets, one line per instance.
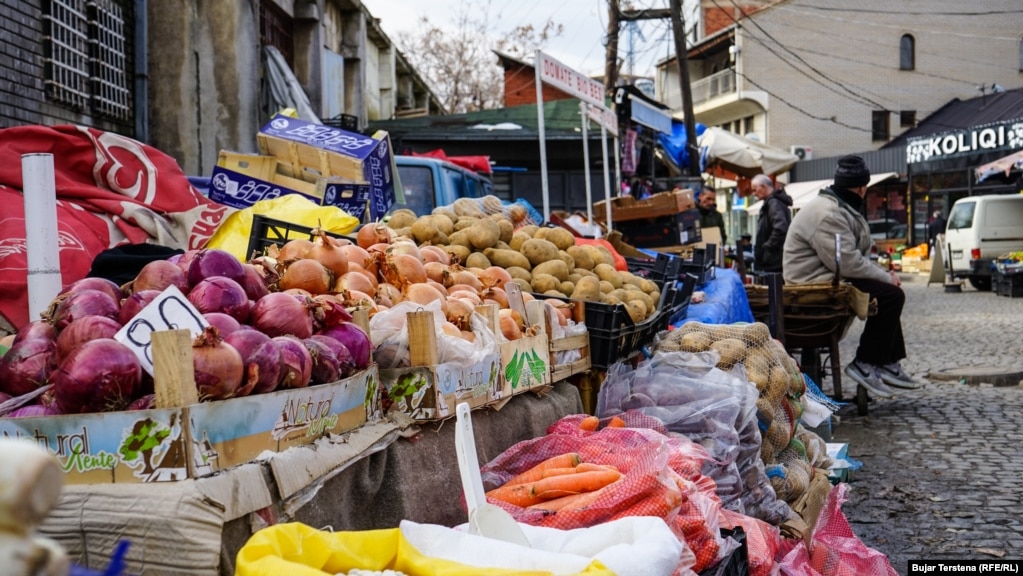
[171, 310]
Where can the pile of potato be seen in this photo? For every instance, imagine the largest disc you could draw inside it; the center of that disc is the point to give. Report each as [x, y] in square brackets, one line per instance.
[483, 233]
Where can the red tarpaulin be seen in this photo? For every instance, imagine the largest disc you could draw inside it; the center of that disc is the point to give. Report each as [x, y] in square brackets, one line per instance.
[111, 190]
[479, 164]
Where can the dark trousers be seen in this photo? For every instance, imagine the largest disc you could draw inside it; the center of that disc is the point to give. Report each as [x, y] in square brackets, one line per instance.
[881, 342]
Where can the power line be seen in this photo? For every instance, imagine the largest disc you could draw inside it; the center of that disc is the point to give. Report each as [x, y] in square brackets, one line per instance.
[873, 24]
[831, 119]
[912, 13]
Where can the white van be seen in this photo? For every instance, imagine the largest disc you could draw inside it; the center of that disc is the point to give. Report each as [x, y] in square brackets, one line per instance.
[980, 229]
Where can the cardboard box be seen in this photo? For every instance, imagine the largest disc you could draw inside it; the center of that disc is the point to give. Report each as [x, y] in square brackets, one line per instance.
[172, 444]
[429, 390]
[243, 180]
[627, 208]
[680, 229]
[525, 362]
[561, 370]
[335, 153]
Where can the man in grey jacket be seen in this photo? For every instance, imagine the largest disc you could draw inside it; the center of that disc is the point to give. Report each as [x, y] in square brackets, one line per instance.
[810, 256]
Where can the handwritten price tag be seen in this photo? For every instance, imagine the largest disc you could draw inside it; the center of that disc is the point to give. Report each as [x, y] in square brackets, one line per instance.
[171, 310]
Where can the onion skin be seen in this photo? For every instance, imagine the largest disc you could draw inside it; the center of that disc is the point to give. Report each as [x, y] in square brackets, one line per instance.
[221, 294]
[218, 366]
[98, 376]
[213, 262]
[255, 283]
[309, 275]
[297, 362]
[83, 303]
[159, 275]
[82, 330]
[280, 314]
[329, 311]
[101, 284]
[402, 270]
[356, 280]
[27, 366]
[346, 364]
[261, 360]
[374, 233]
[224, 323]
[329, 254]
[33, 411]
[326, 367]
[355, 340]
[147, 402]
[134, 304]
[295, 249]
[36, 329]
[356, 255]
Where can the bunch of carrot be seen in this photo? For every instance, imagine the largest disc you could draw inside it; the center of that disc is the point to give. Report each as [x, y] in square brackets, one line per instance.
[561, 482]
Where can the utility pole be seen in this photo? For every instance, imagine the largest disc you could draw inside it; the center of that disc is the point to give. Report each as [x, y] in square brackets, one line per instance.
[678, 27]
[611, 52]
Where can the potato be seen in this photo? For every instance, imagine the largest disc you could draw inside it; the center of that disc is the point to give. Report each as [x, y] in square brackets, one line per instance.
[647, 285]
[517, 239]
[557, 235]
[477, 260]
[554, 293]
[567, 287]
[507, 230]
[731, 350]
[458, 252]
[608, 274]
[610, 299]
[539, 251]
[507, 258]
[637, 310]
[428, 229]
[573, 277]
[523, 284]
[555, 268]
[583, 272]
[641, 296]
[492, 204]
[459, 238]
[444, 223]
[631, 279]
[467, 207]
[567, 259]
[607, 287]
[464, 222]
[778, 385]
[544, 282]
[402, 218]
[445, 211]
[587, 289]
[519, 272]
[695, 341]
[758, 368]
[484, 233]
[529, 230]
[406, 232]
[581, 256]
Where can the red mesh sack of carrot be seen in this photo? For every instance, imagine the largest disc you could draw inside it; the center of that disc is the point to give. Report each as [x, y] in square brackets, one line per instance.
[762, 541]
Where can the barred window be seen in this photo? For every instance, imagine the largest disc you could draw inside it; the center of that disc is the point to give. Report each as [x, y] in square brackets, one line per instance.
[87, 47]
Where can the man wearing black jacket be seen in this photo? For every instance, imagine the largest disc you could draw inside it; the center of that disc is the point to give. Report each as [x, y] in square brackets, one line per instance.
[775, 215]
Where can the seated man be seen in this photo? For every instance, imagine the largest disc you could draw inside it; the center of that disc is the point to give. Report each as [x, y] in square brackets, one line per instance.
[809, 257]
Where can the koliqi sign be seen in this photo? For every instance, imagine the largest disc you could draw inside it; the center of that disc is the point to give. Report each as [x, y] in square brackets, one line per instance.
[1005, 135]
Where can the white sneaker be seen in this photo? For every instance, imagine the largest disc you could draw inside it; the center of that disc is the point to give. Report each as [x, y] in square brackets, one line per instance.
[866, 375]
[894, 375]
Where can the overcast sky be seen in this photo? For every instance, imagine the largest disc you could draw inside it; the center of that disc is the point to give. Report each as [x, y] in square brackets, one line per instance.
[580, 46]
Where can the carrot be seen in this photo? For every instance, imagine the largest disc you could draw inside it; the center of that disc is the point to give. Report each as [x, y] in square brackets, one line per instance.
[616, 422]
[591, 467]
[567, 460]
[554, 494]
[519, 495]
[590, 423]
[660, 503]
[560, 471]
[575, 501]
[581, 482]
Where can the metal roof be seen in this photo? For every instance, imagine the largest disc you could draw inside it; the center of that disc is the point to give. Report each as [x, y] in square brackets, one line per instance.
[960, 114]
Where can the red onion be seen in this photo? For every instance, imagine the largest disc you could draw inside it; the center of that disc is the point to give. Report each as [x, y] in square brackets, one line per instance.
[134, 304]
[4, 397]
[346, 364]
[261, 359]
[298, 363]
[254, 282]
[159, 275]
[34, 411]
[218, 367]
[224, 323]
[27, 365]
[328, 311]
[83, 303]
[354, 339]
[221, 294]
[326, 367]
[213, 262]
[101, 284]
[82, 330]
[36, 329]
[185, 260]
[147, 402]
[280, 314]
[99, 376]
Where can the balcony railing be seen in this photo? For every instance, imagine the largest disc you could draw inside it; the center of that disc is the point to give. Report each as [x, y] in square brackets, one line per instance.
[713, 86]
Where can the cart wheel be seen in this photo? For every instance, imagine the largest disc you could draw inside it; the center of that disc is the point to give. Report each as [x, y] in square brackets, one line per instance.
[861, 400]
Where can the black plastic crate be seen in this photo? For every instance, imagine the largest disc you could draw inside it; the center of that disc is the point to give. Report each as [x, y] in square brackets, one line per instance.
[665, 266]
[1010, 285]
[267, 231]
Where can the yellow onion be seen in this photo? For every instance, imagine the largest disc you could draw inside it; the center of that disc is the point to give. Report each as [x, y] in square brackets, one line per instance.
[451, 330]
[329, 255]
[355, 255]
[435, 271]
[468, 336]
[404, 247]
[498, 295]
[463, 276]
[422, 293]
[388, 295]
[355, 280]
[458, 311]
[510, 327]
[294, 249]
[355, 298]
[371, 234]
[440, 287]
[467, 295]
[403, 270]
[494, 276]
[309, 275]
[435, 254]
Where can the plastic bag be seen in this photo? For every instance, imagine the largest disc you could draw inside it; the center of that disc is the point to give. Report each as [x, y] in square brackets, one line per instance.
[233, 234]
[836, 551]
[389, 330]
[762, 541]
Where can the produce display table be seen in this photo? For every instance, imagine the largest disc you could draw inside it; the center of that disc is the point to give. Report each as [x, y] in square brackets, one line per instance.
[724, 301]
[371, 478]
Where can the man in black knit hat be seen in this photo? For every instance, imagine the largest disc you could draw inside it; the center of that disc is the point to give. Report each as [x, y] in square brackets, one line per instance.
[809, 257]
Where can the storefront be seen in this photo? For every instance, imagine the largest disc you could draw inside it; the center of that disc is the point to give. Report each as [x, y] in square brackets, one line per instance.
[941, 169]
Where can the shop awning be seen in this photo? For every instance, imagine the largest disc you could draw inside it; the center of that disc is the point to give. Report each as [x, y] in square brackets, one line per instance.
[803, 192]
[1004, 165]
[742, 156]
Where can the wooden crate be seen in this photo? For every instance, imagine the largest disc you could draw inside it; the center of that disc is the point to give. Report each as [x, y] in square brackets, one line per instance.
[579, 342]
[628, 208]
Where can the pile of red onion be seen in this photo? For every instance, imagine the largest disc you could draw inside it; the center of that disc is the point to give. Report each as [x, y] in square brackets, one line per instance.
[258, 340]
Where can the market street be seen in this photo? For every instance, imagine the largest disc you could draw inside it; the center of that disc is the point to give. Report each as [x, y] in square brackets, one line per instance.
[942, 465]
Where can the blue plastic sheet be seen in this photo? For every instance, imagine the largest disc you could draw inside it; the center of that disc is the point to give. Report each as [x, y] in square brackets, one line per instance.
[674, 144]
[725, 301]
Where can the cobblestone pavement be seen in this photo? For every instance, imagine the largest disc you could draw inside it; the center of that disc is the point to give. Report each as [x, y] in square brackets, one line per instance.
[942, 465]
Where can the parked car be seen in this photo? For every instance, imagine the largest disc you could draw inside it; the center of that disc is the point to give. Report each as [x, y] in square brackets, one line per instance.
[979, 229]
[431, 182]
